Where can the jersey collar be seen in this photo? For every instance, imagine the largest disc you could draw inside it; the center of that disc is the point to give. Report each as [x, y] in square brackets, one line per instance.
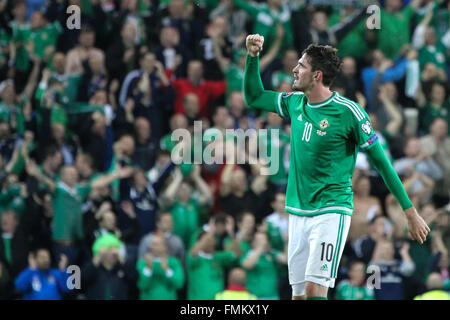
[321, 104]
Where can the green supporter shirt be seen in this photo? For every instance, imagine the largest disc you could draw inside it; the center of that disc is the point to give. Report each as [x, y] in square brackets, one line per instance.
[45, 37]
[157, 284]
[262, 279]
[354, 44]
[166, 143]
[67, 213]
[395, 30]
[41, 38]
[20, 36]
[265, 21]
[206, 274]
[234, 77]
[245, 246]
[13, 114]
[346, 291]
[185, 219]
[427, 114]
[12, 199]
[280, 76]
[434, 54]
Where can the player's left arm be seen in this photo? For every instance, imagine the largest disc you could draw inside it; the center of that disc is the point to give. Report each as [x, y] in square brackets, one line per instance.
[416, 225]
[368, 141]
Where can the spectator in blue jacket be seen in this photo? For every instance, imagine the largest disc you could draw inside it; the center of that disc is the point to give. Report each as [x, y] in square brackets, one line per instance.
[41, 282]
[388, 70]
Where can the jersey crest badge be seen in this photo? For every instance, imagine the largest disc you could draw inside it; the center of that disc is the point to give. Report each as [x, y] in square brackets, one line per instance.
[324, 124]
[366, 127]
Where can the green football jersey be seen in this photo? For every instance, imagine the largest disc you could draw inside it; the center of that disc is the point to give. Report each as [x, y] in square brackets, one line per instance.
[325, 139]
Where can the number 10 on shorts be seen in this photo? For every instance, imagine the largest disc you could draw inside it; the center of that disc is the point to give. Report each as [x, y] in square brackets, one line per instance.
[327, 251]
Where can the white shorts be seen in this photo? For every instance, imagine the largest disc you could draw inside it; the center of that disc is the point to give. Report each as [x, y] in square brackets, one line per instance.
[315, 248]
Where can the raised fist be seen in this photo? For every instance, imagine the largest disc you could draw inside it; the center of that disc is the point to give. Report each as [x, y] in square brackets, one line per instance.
[254, 43]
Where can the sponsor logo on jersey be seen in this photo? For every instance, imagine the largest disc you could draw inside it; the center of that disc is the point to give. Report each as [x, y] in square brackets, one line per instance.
[324, 267]
[321, 133]
[372, 139]
[300, 118]
[366, 127]
[285, 95]
[324, 124]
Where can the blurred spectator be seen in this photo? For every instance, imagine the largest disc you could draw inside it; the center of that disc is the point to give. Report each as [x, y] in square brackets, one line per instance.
[41, 282]
[14, 244]
[109, 275]
[205, 265]
[430, 47]
[67, 202]
[121, 56]
[146, 144]
[236, 289]
[392, 270]
[164, 228]
[146, 92]
[205, 90]
[435, 106]
[417, 157]
[160, 274]
[279, 219]
[396, 30]
[366, 207]
[5, 283]
[185, 206]
[260, 265]
[355, 288]
[434, 289]
[381, 70]
[84, 51]
[379, 228]
[235, 197]
[318, 28]
[216, 35]
[144, 195]
[169, 52]
[437, 145]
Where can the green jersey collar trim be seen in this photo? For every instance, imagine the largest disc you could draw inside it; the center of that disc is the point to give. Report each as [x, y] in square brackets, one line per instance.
[321, 104]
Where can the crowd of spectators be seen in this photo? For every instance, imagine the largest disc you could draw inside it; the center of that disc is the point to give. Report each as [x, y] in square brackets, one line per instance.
[86, 173]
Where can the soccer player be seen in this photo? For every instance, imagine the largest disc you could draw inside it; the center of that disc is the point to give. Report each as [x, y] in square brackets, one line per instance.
[327, 130]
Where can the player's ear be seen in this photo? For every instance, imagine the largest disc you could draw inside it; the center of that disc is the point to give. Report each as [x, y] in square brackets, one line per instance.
[317, 75]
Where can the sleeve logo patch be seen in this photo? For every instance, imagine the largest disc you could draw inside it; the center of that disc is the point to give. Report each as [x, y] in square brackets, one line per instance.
[366, 127]
[372, 139]
[285, 95]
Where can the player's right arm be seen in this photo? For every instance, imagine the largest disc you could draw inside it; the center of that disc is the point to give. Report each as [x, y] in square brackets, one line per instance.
[254, 93]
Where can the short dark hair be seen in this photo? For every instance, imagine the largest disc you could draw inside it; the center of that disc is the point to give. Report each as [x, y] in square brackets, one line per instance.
[50, 151]
[160, 215]
[220, 217]
[325, 59]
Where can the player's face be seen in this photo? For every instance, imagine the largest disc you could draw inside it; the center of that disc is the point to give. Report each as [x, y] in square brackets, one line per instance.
[303, 75]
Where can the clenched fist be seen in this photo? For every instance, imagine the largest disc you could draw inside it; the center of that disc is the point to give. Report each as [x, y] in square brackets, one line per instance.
[254, 43]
